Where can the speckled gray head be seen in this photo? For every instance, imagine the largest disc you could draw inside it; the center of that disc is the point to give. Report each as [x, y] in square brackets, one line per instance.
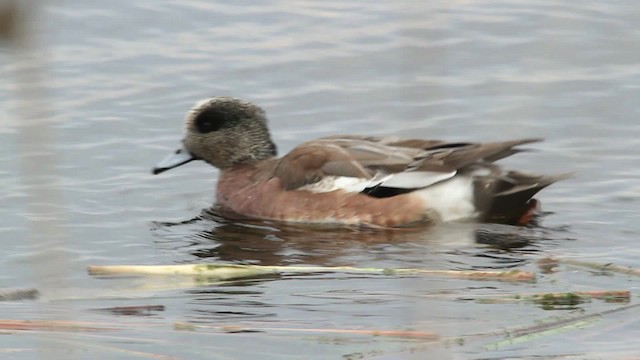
[224, 132]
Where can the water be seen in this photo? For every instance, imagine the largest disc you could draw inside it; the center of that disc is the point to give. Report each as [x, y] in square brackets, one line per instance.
[118, 77]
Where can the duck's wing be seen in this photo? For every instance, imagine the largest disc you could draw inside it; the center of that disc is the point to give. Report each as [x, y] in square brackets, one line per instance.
[345, 156]
[386, 161]
[311, 162]
[456, 156]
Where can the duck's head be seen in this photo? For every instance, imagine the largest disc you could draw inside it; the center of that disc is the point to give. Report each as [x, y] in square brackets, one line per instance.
[224, 132]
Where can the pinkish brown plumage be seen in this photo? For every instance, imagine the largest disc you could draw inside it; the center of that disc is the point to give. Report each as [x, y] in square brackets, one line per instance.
[352, 180]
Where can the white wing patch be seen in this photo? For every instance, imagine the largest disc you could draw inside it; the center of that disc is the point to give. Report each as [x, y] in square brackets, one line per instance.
[403, 180]
[332, 183]
[414, 179]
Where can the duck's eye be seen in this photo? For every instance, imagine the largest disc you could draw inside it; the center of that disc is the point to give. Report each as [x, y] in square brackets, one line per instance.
[210, 120]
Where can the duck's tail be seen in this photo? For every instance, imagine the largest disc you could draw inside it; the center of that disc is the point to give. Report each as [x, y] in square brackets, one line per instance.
[507, 199]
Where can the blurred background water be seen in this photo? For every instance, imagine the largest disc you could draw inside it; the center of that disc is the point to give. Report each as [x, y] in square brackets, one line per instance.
[118, 76]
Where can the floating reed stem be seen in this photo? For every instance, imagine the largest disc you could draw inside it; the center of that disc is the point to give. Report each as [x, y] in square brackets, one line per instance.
[232, 271]
[49, 325]
[406, 334]
[554, 326]
[559, 298]
[621, 269]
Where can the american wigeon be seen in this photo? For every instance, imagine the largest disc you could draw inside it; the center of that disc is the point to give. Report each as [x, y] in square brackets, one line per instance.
[354, 180]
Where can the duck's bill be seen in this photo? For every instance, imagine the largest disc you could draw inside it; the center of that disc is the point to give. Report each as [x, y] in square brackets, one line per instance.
[179, 157]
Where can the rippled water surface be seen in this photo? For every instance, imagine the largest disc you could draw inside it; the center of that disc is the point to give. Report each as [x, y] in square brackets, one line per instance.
[116, 77]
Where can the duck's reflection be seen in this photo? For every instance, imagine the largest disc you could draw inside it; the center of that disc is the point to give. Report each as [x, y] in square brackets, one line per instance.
[217, 236]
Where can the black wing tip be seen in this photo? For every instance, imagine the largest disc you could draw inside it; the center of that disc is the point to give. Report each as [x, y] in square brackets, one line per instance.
[156, 171]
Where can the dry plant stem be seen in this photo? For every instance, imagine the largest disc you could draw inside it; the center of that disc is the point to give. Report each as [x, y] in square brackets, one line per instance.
[389, 333]
[224, 271]
[618, 295]
[407, 334]
[592, 265]
[49, 325]
[554, 327]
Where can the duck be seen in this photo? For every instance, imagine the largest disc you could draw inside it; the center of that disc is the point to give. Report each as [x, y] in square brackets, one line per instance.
[353, 180]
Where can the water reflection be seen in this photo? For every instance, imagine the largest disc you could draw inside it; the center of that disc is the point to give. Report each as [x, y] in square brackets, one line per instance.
[217, 236]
